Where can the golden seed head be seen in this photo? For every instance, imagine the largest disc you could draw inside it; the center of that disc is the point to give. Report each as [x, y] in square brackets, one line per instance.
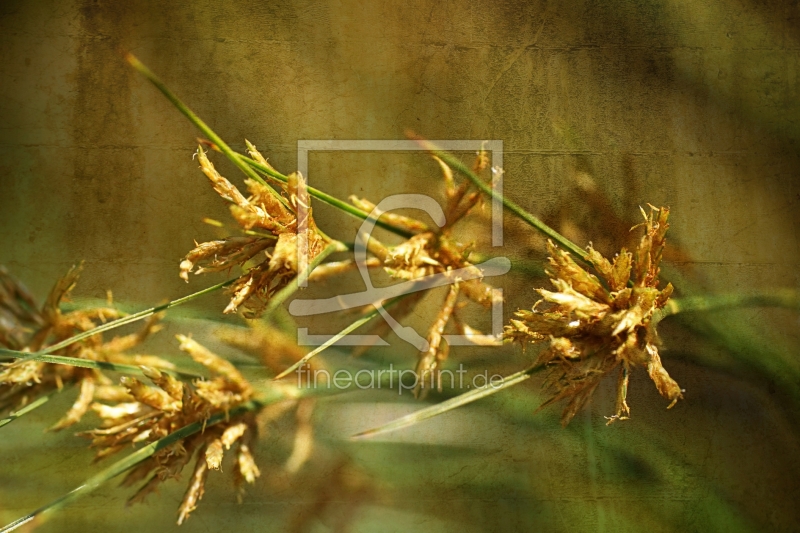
[597, 326]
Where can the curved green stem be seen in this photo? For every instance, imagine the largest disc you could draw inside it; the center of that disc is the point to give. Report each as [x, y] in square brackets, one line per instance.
[330, 342]
[244, 163]
[325, 197]
[455, 163]
[38, 402]
[194, 119]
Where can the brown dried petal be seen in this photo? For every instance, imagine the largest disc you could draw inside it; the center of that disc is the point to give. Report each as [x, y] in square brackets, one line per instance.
[623, 412]
[223, 187]
[667, 387]
[601, 264]
[284, 257]
[255, 154]
[562, 266]
[126, 342]
[663, 296]
[267, 198]
[242, 289]
[569, 300]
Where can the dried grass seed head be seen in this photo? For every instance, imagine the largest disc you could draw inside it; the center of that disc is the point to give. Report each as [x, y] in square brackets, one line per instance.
[270, 258]
[597, 325]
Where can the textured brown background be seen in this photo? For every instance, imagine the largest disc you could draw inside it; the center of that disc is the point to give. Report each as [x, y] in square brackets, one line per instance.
[689, 104]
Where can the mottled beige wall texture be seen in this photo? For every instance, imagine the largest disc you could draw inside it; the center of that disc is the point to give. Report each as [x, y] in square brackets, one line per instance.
[602, 107]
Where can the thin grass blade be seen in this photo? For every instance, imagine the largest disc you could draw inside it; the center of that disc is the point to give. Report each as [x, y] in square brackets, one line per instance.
[130, 319]
[448, 405]
[132, 370]
[202, 126]
[533, 221]
[330, 342]
[38, 402]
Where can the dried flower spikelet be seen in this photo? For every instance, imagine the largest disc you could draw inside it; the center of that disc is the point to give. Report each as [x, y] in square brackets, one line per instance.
[213, 362]
[118, 411]
[213, 454]
[447, 174]
[459, 203]
[667, 387]
[32, 329]
[27, 372]
[51, 310]
[243, 289]
[112, 393]
[166, 382]
[623, 412]
[152, 361]
[232, 434]
[407, 223]
[264, 210]
[80, 406]
[247, 465]
[284, 257]
[436, 252]
[195, 491]
[223, 254]
[256, 155]
[223, 187]
[596, 327]
[270, 260]
[563, 268]
[475, 336]
[411, 259]
[155, 398]
[481, 160]
[430, 362]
